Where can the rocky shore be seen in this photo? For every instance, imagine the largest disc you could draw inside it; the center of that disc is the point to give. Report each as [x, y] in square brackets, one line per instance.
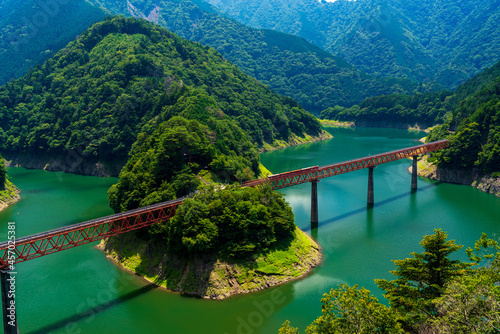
[9, 196]
[74, 163]
[208, 277]
[471, 177]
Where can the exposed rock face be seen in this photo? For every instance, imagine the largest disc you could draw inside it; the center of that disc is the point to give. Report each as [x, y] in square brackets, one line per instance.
[206, 276]
[71, 163]
[11, 196]
[486, 183]
[387, 124]
[74, 163]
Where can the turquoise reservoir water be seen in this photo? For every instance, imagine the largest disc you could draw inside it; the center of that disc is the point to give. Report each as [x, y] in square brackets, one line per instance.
[80, 291]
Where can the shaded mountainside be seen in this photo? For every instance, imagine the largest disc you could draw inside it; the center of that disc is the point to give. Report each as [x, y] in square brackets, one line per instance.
[124, 76]
[32, 31]
[424, 110]
[472, 112]
[473, 153]
[288, 64]
[446, 41]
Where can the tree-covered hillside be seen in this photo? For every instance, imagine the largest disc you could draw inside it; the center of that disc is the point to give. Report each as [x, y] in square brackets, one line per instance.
[289, 65]
[94, 96]
[33, 31]
[426, 109]
[446, 41]
[476, 142]
[472, 112]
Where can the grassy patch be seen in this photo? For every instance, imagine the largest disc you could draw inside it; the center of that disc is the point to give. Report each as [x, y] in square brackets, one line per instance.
[263, 171]
[10, 195]
[332, 123]
[292, 259]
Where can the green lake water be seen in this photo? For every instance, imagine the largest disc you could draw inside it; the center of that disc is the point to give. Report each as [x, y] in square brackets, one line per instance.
[80, 291]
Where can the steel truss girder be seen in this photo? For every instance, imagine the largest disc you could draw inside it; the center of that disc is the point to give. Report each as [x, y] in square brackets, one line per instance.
[57, 240]
[288, 179]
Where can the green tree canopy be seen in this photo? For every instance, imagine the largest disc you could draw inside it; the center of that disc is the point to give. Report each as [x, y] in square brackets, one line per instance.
[353, 310]
[422, 279]
[3, 173]
[234, 222]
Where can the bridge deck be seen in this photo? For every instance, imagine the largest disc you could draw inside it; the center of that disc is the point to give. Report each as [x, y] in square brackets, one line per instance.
[56, 240]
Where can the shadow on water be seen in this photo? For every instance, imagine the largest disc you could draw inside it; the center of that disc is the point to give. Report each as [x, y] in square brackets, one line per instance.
[369, 209]
[95, 310]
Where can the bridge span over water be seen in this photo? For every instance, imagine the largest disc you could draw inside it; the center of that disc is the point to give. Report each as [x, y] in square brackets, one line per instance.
[41, 244]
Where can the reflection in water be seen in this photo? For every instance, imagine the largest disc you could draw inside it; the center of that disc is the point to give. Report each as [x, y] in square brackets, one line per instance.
[368, 207]
[369, 221]
[91, 312]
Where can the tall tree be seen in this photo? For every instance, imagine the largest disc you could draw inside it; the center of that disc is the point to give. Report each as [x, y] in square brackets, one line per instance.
[422, 279]
[352, 310]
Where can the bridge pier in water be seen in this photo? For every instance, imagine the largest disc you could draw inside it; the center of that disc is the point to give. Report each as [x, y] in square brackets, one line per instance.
[8, 303]
[314, 203]
[370, 197]
[414, 174]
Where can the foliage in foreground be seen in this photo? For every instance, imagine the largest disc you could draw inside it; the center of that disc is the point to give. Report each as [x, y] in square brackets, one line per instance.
[431, 294]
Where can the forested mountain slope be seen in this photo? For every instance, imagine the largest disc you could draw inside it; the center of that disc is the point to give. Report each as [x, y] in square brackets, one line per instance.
[476, 142]
[447, 41]
[32, 31]
[289, 65]
[424, 110]
[124, 76]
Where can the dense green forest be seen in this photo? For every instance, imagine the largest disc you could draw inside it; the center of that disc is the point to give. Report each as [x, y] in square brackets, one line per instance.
[476, 142]
[3, 173]
[432, 293]
[235, 223]
[398, 110]
[94, 96]
[424, 109]
[33, 31]
[289, 65]
[444, 41]
[472, 112]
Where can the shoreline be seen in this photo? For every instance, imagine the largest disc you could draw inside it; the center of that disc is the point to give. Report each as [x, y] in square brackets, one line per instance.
[12, 196]
[485, 183]
[74, 164]
[233, 285]
[295, 141]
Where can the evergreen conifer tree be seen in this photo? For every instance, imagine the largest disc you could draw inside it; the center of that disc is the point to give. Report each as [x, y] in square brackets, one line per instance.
[422, 279]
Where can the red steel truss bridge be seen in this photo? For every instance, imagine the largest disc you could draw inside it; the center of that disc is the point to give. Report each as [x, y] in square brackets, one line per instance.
[60, 239]
[41, 244]
[309, 174]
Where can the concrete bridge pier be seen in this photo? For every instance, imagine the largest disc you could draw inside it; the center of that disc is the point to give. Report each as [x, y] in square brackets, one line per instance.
[370, 199]
[314, 203]
[8, 303]
[414, 173]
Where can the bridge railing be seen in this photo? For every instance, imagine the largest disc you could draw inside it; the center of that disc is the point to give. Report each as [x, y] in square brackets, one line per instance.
[288, 179]
[41, 244]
